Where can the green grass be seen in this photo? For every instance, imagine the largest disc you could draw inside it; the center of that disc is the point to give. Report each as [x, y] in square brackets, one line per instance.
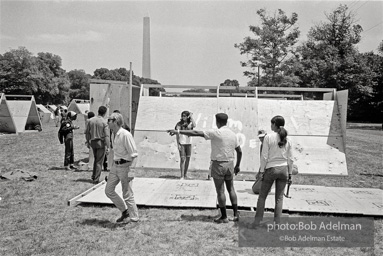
[35, 218]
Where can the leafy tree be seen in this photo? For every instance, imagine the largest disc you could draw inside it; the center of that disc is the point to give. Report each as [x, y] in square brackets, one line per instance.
[330, 59]
[80, 86]
[272, 45]
[227, 82]
[42, 76]
[380, 48]
[122, 74]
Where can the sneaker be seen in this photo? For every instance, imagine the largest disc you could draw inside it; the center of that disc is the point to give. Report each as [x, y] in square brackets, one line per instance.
[73, 168]
[124, 215]
[67, 168]
[220, 220]
[134, 219]
[235, 218]
[182, 178]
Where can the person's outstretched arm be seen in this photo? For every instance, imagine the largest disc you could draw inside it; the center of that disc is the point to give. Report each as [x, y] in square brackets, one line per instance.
[193, 133]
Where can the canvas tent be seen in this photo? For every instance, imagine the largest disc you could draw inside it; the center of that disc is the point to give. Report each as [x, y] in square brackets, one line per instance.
[24, 112]
[45, 114]
[81, 107]
[6, 120]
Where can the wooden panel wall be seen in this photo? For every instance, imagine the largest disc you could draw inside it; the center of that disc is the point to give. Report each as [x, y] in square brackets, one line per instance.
[313, 126]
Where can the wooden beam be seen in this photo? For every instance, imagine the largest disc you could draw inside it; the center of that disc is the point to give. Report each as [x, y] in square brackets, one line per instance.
[291, 89]
[73, 201]
[189, 86]
[280, 95]
[101, 81]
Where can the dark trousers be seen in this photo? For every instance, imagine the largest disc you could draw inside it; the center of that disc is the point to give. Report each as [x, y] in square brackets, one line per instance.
[69, 153]
[98, 147]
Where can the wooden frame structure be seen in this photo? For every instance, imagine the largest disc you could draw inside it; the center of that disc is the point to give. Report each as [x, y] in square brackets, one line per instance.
[317, 127]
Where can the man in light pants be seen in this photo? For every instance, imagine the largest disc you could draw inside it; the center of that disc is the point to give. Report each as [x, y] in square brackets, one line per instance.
[125, 152]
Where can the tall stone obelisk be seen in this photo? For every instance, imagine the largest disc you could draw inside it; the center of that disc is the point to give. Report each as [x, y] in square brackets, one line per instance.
[146, 49]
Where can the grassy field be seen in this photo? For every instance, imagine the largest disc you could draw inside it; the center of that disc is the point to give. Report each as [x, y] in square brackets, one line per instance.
[35, 218]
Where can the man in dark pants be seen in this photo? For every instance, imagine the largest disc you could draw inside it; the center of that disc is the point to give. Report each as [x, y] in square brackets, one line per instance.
[97, 136]
[224, 143]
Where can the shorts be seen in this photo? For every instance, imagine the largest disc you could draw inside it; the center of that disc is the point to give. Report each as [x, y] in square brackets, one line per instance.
[185, 150]
[222, 170]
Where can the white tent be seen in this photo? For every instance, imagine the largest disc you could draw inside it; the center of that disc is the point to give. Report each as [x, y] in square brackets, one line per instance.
[24, 112]
[81, 107]
[45, 114]
[7, 123]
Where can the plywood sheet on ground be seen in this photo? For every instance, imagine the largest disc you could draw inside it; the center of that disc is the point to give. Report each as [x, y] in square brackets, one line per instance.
[185, 193]
[246, 197]
[362, 200]
[143, 188]
[202, 194]
[305, 198]
[309, 117]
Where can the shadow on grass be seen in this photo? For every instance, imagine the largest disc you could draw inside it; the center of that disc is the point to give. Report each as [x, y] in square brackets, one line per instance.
[56, 168]
[84, 180]
[102, 223]
[84, 160]
[200, 218]
[169, 177]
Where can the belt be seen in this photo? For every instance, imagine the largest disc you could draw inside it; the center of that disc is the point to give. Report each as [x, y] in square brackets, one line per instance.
[121, 161]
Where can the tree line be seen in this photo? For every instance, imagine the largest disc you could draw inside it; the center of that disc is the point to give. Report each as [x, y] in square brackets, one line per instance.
[329, 58]
[21, 73]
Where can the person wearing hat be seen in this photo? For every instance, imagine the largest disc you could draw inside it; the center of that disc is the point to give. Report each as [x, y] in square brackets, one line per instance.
[125, 152]
[224, 144]
[66, 135]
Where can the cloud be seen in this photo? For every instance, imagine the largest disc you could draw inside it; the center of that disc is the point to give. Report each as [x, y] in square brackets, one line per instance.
[88, 36]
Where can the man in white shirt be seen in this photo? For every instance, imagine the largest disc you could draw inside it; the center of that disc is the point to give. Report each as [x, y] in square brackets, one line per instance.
[125, 152]
[224, 143]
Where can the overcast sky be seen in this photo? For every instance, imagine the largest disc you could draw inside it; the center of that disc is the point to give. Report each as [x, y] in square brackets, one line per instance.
[192, 42]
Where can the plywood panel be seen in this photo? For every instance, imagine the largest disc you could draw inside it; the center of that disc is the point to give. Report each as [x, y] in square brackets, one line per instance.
[143, 188]
[302, 117]
[19, 108]
[99, 96]
[243, 118]
[201, 193]
[6, 120]
[307, 198]
[342, 100]
[159, 150]
[362, 200]
[185, 193]
[246, 197]
[33, 116]
[319, 155]
[163, 113]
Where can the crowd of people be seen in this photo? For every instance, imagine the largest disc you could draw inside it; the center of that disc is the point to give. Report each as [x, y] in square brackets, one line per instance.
[112, 136]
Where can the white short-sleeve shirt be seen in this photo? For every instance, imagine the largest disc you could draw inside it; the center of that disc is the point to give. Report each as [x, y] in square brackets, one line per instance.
[223, 143]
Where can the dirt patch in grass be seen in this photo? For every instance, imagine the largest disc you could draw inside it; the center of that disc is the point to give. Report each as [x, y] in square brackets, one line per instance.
[35, 218]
